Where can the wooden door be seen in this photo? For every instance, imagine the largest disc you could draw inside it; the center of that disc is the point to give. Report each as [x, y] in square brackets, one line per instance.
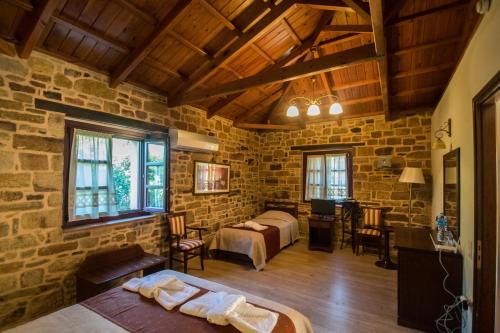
[485, 207]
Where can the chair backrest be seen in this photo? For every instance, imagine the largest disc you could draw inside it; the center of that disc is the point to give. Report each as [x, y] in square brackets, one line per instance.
[350, 209]
[372, 217]
[177, 223]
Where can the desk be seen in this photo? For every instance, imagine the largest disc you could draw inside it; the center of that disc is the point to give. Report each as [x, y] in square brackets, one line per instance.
[386, 261]
[321, 232]
[420, 276]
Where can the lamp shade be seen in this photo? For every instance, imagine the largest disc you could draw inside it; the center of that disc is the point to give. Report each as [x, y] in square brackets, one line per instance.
[313, 110]
[438, 144]
[292, 111]
[336, 108]
[412, 175]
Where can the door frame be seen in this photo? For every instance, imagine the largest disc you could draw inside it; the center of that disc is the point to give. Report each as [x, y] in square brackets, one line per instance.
[482, 97]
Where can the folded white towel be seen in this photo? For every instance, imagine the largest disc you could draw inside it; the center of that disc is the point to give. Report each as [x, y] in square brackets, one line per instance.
[226, 304]
[250, 319]
[133, 284]
[152, 282]
[200, 306]
[251, 225]
[174, 293]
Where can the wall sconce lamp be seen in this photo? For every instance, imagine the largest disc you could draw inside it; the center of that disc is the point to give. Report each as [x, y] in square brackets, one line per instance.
[439, 134]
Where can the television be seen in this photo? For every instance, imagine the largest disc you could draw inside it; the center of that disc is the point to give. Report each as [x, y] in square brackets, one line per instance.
[323, 207]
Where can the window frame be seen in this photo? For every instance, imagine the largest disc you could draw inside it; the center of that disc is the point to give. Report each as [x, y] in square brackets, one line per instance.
[349, 165]
[119, 133]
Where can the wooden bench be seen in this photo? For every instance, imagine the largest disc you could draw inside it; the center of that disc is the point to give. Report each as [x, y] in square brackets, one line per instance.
[98, 271]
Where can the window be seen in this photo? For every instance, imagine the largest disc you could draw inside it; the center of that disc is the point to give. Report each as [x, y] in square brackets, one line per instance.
[327, 175]
[113, 173]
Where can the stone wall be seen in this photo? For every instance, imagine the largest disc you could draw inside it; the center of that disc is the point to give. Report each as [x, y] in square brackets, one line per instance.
[407, 140]
[37, 257]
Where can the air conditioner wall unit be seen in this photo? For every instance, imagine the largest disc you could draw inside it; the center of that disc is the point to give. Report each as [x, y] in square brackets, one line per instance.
[189, 141]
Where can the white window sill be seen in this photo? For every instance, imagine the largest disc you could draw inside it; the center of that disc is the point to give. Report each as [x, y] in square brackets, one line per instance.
[114, 223]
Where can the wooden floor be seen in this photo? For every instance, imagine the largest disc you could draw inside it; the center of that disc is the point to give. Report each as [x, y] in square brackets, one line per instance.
[339, 292]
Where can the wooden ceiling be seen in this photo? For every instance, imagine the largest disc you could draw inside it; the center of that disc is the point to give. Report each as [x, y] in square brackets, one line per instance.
[244, 60]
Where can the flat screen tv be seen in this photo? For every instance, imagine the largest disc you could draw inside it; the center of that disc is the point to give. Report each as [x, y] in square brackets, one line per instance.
[323, 207]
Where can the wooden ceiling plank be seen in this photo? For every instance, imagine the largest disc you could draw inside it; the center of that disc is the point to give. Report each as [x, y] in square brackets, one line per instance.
[333, 5]
[35, 25]
[139, 53]
[88, 31]
[425, 70]
[23, 4]
[360, 8]
[7, 48]
[425, 46]
[263, 54]
[269, 127]
[396, 7]
[218, 15]
[292, 32]
[381, 47]
[338, 60]
[259, 106]
[436, 10]
[151, 19]
[188, 44]
[248, 37]
[292, 56]
[339, 39]
[419, 90]
[359, 28]
[164, 68]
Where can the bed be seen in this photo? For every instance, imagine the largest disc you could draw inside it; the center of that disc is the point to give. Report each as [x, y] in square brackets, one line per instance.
[119, 311]
[260, 246]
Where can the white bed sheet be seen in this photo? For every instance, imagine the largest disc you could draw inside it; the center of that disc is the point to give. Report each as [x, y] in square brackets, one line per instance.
[79, 319]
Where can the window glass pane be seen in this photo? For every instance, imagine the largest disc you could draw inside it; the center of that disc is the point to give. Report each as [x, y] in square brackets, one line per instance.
[155, 198]
[126, 173]
[156, 152]
[336, 176]
[155, 174]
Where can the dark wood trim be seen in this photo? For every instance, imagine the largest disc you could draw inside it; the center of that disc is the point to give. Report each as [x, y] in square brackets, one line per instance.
[454, 153]
[483, 309]
[97, 116]
[329, 146]
[348, 152]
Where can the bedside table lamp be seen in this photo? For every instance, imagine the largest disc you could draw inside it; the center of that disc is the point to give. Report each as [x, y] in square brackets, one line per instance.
[411, 176]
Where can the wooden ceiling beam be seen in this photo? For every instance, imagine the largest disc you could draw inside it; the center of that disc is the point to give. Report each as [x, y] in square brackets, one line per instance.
[218, 15]
[292, 32]
[7, 48]
[359, 28]
[333, 5]
[360, 7]
[269, 127]
[263, 54]
[235, 48]
[189, 45]
[419, 90]
[381, 47]
[338, 60]
[88, 31]
[432, 11]
[396, 7]
[127, 4]
[259, 106]
[164, 68]
[124, 69]
[34, 26]
[339, 39]
[291, 57]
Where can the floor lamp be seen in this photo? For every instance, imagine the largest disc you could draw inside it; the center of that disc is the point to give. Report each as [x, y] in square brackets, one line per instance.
[411, 176]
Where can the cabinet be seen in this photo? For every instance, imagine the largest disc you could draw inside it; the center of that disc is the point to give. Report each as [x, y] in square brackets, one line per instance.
[421, 296]
[321, 232]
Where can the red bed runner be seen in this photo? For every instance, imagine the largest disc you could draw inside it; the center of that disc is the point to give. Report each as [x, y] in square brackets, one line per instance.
[136, 313]
[271, 238]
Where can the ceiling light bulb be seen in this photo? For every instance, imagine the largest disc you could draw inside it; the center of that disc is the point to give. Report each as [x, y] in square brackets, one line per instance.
[336, 108]
[292, 111]
[313, 110]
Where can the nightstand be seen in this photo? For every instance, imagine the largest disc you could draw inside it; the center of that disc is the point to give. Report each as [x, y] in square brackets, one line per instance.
[321, 232]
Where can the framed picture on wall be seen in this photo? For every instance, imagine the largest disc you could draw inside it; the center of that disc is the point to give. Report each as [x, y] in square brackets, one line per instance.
[211, 178]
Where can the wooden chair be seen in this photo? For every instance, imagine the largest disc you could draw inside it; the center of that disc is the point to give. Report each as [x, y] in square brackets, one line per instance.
[371, 231]
[349, 216]
[179, 242]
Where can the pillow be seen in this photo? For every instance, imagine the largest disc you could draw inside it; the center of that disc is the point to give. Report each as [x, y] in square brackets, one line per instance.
[278, 215]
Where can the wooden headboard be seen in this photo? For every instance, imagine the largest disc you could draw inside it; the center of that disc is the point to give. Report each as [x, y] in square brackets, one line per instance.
[291, 208]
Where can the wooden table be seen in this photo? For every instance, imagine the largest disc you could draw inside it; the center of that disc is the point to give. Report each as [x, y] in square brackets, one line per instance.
[321, 232]
[386, 261]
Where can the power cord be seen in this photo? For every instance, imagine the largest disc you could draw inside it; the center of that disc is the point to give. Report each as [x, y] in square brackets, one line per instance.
[453, 311]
